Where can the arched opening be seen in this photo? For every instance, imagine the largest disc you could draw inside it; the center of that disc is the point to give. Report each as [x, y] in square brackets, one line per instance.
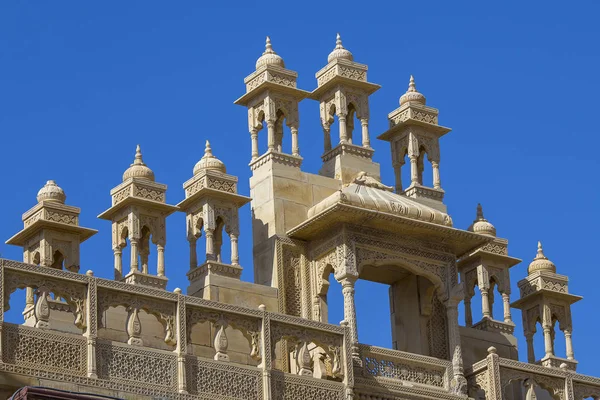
[405, 169]
[36, 258]
[538, 340]
[424, 168]
[57, 260]
[333, 311]
[144, 249]
[199, 246]
[558, 346]
[350, 123]
[495, 299]
[471, 309]
[218, 235]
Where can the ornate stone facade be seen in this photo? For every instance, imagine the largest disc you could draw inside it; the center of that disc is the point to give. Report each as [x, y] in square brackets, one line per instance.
[128, 337]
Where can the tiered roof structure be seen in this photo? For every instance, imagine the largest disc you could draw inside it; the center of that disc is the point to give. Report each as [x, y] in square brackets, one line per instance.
[128, 337]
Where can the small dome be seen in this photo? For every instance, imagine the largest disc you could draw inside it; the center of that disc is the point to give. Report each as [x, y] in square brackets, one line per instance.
[541, 262]
[411, 94]
[51, 192]
[209, 162]
[481, 225]
[138, 169]
[340, 52]
[269, 57]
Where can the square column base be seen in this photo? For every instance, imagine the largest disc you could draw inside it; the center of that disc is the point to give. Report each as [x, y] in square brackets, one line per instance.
[346, 160]
[556, 362]
[428, 196]
[139, 278]
[199, 277]
[491, 325]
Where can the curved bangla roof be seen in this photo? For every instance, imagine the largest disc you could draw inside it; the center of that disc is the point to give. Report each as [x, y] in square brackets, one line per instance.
[366, 192]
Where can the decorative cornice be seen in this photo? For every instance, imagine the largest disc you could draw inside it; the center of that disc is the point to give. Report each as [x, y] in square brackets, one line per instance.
[277, 158]
[347, 148]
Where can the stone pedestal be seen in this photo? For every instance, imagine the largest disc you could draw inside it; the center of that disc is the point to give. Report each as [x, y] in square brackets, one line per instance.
[346, 160]
[139, 278]
[428, 196]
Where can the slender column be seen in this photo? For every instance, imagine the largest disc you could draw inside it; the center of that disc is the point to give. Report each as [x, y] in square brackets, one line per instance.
[485, 304]
[271, 135]
[494, 386]
[134, 256]
[548, 340]
[350, 311]
[326, 138]
[210, 244]
[569, 345]
[91, 332]
[235, 258]
[414, 170]
[254, 136]
[118, 262]
[506, 302]
[459, 381]
[468, 313]
[398, 176]
[144, 252]
[160, 264]
[295, 148]
[530, 349]
[366, 142]
[343, 132]
[265, 364]
[29, 300]
[436, 175]
[181, 348]
[193, 254]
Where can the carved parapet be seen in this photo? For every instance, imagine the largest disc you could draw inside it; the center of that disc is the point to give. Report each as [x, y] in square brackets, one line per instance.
[214, 268]
[342, 68]
[273, 157]
[139, 278]
[347, 148]
[491, 325]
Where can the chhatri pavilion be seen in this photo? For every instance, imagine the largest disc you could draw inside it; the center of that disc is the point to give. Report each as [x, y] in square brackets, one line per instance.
[223, 338]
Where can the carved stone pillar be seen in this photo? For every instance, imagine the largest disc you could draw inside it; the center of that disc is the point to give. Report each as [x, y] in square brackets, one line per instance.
[398, 176]
[295, 148]
[459, 382]
[193, 254]
[548, 340]
[530, 349]
[414, 170]
[485, 303]
[181, 349]
[569, 345]
[210, 244]
[160, 264]
[468, 313]
[366, 142]
[350, 312]
[265, 346]
[436, 175]
[343, 131]
[271, 135]
[29, 298]
[134, 255]
[91, 333]
[494, 389]
[506, 302]
[118, 262]
[254, 137]
[144, 252]
[326, 138]
[235, 258]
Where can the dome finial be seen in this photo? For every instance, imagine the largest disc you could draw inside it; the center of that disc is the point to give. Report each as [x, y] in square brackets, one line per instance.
[138, 156]
[480, 212]
[269, 57]
[208, 150]
[411, 94]
[339, 52]
[541, 262]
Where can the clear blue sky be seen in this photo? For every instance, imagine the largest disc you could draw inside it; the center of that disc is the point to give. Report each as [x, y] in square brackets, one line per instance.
[82, 83]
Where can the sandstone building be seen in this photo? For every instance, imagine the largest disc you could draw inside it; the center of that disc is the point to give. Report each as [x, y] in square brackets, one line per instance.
[129, 337]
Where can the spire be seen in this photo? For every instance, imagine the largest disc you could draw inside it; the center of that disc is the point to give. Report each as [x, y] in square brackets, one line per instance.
[138, 156]
[411, 95]
[339, 52]
[479, 208]
[207, 150]
[541, 262]
[269, 57]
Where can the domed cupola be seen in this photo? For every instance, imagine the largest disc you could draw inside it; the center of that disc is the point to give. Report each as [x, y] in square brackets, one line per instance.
[541, 262]
[51, 192]
[411, 95]
[269, 57]
[138, 169]
[209, 162]
[481, 225]
[340, 52]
